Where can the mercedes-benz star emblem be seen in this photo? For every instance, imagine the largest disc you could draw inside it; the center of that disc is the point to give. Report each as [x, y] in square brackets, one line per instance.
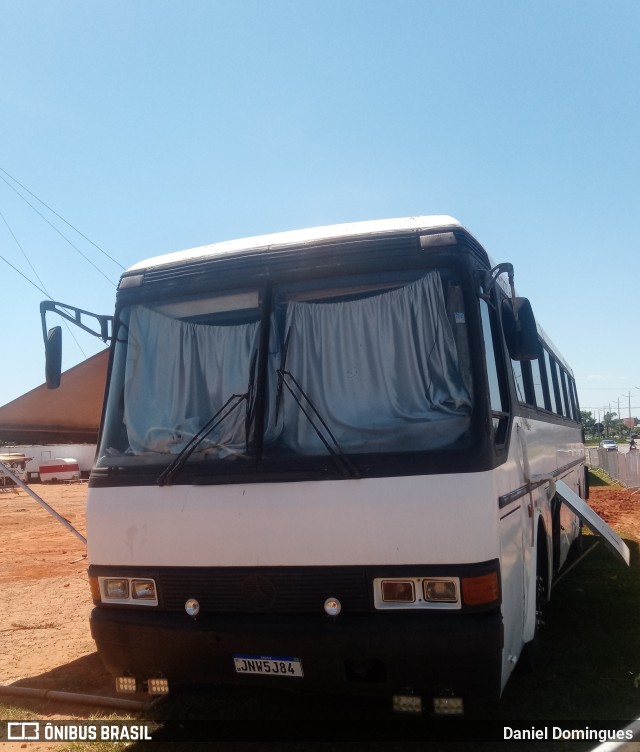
[258, 592]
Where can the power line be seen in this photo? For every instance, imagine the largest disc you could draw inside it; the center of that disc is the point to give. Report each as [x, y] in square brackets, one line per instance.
[53, 211]
[24, 276]
[42, 289]
[53, 227]
[17, 242]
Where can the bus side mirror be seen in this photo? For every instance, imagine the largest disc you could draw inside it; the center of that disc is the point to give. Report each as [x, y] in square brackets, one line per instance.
[53, 357]
[520, 329]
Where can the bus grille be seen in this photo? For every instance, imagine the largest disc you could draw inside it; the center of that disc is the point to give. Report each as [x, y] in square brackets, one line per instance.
[265, 590]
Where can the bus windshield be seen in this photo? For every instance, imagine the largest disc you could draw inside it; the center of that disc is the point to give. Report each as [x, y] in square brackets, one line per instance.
[349, 366]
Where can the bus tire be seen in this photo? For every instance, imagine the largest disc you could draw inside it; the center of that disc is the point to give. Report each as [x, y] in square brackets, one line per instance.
[532, 650]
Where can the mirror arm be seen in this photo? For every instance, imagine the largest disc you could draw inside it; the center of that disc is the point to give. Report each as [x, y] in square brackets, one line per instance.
[492, 278]
[74, 315]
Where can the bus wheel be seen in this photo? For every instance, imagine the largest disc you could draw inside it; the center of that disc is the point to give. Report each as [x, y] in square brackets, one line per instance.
[532, 650]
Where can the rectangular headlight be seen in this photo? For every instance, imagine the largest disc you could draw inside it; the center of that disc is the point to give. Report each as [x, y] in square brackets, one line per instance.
[116, 587]
[143, 590]
[416, 593]
[439, 590]
[398, 591]
[128, 590]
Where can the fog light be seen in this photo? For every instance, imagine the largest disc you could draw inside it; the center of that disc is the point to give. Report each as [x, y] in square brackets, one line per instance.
[158, 686]
[192, 607]
[407, 704]
[448, 705]
[398, 591]
[332, 606]
[126, 684]
[440, 591]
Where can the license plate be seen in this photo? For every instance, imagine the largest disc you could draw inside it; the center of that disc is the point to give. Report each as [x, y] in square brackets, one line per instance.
[267, 665]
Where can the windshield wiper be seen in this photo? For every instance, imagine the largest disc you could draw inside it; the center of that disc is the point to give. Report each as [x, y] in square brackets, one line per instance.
[340, 458]
[168, 475]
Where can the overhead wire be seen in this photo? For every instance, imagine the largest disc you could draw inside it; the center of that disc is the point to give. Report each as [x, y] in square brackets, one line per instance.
[24, 276]
[17, 242]
[42, 289]
[53, 227]
[60, 217]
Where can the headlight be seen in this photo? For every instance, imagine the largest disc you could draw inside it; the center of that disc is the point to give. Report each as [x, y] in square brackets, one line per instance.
[416, 592]
[127, 590]
[398, 591]
[116, 588]
[143, 590]
[440, 590]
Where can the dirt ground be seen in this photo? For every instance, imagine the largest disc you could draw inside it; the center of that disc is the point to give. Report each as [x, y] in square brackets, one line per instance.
[45, 642]
[45, 601]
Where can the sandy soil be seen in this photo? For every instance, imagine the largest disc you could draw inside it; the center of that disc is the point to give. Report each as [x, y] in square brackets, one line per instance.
[45, 601]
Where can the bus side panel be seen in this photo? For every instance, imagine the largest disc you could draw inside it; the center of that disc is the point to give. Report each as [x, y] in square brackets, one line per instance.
[513, 597]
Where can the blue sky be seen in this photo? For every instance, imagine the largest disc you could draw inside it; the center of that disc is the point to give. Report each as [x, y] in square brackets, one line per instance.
[154, 126]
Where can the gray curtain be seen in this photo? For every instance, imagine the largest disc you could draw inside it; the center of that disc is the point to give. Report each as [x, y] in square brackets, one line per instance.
[383, 372]
[178, 375]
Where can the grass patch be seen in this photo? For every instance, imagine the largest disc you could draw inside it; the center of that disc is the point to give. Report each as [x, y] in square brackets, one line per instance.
[598, 477]
[16, 713]
[591, 657]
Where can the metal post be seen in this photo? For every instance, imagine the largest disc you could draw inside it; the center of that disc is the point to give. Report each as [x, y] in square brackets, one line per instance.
[4, 469]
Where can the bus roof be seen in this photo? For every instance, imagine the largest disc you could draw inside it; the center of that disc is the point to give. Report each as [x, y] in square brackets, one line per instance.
[301, 237]
[312, 235]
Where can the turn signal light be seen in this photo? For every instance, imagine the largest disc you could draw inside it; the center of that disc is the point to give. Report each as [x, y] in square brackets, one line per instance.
[95, 589]
[480, 591]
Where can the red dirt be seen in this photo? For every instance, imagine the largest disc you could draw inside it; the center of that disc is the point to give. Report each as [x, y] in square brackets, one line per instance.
[620, 508]
[45, 641]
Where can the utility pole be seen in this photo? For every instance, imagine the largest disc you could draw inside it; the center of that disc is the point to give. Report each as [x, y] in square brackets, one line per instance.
[620, 419]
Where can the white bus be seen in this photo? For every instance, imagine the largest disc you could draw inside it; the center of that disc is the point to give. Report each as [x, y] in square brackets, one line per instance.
[329, 460]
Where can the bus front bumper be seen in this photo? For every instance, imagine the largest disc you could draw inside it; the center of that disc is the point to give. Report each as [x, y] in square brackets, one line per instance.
[374, 654]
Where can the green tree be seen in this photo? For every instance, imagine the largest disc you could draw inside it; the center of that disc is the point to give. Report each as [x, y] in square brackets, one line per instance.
[611, 424]
[588, 422]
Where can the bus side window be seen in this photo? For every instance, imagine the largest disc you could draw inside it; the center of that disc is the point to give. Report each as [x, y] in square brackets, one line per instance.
[538, 386]
[524, 380]
[565, 395]
[518, 377]
[557, 389]
[574, 400]
[562, 401]
[495, 374]
[552, 383]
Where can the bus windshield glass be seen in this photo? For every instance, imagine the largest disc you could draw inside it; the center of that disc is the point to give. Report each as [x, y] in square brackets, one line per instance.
[343, 366]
